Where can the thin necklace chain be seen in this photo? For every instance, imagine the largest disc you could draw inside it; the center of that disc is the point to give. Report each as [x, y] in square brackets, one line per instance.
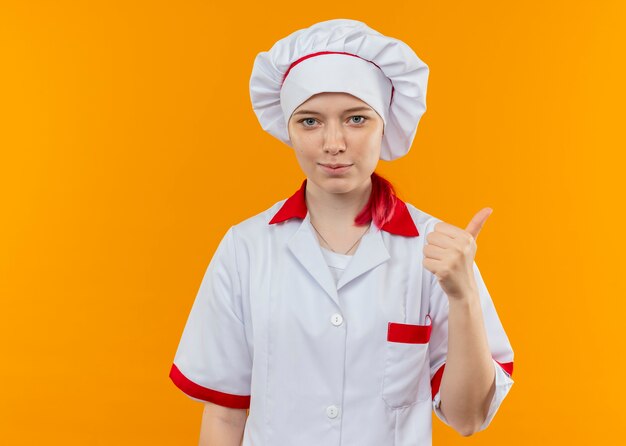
[331, 248]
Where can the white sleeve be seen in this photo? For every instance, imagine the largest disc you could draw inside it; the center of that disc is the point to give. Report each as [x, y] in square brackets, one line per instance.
[213, 362]
[501, 351]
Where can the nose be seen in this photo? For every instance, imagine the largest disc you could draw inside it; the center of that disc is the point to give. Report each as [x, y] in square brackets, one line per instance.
[334, 140]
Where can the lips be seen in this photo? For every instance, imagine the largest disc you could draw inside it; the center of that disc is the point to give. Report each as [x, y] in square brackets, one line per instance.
[336, 169]
[335, 166]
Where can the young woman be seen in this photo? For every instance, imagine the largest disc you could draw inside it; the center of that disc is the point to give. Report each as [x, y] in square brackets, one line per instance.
[342, 315]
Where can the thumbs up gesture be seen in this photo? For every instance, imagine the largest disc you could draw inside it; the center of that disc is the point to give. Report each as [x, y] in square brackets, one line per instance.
[449, 254]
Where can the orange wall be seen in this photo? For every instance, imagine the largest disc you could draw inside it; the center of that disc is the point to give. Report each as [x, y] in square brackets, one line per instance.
[129, 145]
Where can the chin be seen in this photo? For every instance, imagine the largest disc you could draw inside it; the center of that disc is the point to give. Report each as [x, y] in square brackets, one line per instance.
[338, 185]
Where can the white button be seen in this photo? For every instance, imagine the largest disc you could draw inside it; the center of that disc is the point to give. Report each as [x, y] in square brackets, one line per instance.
[332, 411]
[336, 319]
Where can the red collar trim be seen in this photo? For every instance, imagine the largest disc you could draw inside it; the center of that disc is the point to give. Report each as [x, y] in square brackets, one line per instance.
[295, 207]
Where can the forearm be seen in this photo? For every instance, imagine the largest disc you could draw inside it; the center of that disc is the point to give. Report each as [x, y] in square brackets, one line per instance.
[222, 426]
[468, 382]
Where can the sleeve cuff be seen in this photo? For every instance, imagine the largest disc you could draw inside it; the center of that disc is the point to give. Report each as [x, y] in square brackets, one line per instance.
[437, 409]
[503, 385]
[203, 394]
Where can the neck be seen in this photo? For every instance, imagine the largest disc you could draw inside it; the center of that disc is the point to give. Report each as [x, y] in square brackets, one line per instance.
[336, 210]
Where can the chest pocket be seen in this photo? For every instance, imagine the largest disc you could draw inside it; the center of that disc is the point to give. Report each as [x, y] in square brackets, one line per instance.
[406, 377]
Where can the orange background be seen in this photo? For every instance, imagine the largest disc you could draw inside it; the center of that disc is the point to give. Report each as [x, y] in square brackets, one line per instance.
[129, 146]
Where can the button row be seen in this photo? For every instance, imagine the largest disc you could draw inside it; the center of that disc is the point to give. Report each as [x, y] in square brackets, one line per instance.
[333, 411]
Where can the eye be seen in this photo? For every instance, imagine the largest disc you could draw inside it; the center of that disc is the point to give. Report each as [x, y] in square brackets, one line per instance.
[362, 121]
[309, 122]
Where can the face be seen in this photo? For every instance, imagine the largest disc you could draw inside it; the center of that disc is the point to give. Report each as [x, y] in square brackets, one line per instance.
[332, 129]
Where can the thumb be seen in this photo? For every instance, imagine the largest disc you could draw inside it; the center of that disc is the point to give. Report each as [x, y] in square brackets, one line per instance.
[477, 222]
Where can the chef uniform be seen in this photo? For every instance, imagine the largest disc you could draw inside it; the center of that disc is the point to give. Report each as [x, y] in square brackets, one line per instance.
[328, 349]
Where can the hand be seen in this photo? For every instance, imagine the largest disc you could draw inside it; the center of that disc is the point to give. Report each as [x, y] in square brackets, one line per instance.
[449, 254]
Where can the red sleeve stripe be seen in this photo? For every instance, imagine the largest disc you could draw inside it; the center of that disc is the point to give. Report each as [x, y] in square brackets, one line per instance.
[435, 383]
[508, 367]
[206, 394]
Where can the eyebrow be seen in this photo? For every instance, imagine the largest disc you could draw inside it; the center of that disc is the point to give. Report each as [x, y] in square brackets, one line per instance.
[310, 112]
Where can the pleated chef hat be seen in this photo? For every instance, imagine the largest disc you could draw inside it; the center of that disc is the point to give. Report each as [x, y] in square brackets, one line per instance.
[342, 55]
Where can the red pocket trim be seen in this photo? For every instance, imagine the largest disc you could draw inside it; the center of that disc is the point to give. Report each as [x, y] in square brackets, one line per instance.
[408, 333]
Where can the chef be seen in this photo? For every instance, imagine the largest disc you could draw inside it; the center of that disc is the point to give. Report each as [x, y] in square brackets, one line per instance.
[343, 315]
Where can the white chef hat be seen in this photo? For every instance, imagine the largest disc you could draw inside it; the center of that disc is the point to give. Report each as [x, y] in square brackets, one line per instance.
[342, 55]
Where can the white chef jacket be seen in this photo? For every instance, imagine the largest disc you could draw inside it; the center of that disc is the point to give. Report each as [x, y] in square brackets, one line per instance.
[357, 362]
